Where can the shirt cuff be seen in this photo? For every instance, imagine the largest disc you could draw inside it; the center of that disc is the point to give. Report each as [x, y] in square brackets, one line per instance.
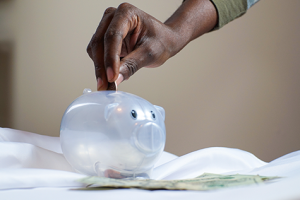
[229, 10]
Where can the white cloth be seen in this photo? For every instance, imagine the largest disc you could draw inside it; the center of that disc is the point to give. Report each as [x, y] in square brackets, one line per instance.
[29, 160]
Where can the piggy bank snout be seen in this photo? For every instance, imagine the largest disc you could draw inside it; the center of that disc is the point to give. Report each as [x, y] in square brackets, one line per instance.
[149, 137]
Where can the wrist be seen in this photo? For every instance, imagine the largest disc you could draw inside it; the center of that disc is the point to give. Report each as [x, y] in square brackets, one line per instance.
[191, 20]
[177, 38]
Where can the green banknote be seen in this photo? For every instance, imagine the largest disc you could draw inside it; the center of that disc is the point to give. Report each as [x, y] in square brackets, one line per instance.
[206, 181]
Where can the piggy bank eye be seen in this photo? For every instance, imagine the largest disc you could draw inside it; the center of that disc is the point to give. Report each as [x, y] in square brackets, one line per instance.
[153, 115]
[133, 114]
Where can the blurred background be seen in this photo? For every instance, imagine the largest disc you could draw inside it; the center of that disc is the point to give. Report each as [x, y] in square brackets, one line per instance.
[237, 87]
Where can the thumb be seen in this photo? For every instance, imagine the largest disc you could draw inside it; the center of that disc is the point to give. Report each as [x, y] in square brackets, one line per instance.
[134, 61]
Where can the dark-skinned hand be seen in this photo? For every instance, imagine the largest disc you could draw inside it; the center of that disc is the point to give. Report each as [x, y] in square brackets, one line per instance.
[128, 39]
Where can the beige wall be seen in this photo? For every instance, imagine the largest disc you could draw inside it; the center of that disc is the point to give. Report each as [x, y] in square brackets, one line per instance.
[6, 49]
[237, 87]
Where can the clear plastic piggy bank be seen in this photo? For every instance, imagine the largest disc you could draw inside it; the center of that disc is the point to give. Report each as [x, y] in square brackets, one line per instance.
[113, 134]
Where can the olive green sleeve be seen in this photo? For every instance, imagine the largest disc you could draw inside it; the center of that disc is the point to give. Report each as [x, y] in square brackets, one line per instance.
[229, 10]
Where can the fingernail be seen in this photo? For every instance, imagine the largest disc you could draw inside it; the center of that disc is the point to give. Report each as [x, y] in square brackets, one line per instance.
[109, 73]
[119, 79]
[99, 83]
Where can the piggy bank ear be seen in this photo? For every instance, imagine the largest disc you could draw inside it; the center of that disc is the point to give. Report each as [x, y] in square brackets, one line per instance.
[109, 109]
[161, 111]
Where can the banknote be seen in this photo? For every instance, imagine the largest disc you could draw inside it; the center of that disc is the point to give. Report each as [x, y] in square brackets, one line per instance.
[206, 181]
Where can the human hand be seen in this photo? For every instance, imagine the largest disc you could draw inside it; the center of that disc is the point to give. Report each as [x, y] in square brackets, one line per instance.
[128, 39]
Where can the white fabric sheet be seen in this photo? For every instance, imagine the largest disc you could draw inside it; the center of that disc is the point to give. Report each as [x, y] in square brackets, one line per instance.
[29, 160]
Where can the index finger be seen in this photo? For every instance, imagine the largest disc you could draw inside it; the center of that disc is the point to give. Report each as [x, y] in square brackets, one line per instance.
[123, 22]
[96, 48]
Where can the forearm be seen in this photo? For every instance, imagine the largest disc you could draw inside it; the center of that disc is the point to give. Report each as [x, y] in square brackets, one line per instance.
[196, 17]
[191, 20]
